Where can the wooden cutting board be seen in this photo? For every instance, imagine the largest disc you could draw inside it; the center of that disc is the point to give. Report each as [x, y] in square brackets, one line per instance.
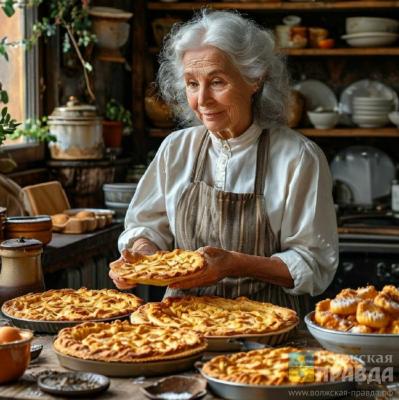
[47, 198]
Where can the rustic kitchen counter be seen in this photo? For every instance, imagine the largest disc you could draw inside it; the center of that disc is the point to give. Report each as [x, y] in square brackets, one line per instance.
[121, 388]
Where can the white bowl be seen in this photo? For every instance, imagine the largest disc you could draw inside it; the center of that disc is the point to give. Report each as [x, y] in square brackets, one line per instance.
[377, 101]
[394, 117]
[323, 119]
[372, 108]
[370, 24]
[370, 39]
[365, 121]
[374, 349]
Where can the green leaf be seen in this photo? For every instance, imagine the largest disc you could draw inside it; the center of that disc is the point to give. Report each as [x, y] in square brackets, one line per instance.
[8, 8]
[4, 112]
[88, 66]
[4, 96]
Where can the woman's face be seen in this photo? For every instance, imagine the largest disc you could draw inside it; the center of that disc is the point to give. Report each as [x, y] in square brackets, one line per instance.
[217, 92]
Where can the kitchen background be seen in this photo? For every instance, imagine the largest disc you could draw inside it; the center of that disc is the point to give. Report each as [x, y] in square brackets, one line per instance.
[345, 84]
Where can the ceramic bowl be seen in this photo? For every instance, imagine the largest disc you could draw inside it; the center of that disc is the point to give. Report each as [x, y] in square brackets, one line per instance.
[370, 121]
[370, 24]
[323, 119]
[370, 39]
[15, 357]
[394, 117]
[375, 349]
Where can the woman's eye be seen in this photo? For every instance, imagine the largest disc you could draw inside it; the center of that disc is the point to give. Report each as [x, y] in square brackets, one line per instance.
[191, 84]
[217, 83]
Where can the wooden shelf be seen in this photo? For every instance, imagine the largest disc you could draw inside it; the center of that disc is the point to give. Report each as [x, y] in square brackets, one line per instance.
[350, 132]
[274, 5]
[310, 132]
[346, 52]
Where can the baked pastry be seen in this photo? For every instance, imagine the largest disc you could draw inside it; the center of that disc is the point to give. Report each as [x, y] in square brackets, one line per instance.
[364, 310]
[217, 316]
[72, 305]
[161, 268]
[122, 342]
[371, 315]
[281, 366]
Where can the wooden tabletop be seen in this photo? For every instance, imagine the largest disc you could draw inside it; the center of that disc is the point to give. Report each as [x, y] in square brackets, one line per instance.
[121, 388]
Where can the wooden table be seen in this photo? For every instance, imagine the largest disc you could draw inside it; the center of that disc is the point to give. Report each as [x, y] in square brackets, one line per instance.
[121, 388]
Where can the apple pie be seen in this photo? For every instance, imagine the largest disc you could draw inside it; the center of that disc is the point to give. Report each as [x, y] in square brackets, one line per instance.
[216, 316]
[122, 342]
[282, 366]
[362, 310]
[161, 268]
[72, 305]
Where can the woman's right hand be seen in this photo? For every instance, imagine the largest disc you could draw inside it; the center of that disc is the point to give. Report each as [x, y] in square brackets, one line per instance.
[140, 247]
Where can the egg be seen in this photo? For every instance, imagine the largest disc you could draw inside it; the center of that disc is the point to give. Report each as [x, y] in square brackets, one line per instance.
[9, 334]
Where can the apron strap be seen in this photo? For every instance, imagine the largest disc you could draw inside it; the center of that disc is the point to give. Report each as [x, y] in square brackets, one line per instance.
[262, 159]
[198, 168]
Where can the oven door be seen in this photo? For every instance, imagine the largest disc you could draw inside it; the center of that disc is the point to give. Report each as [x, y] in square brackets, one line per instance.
[363, 260]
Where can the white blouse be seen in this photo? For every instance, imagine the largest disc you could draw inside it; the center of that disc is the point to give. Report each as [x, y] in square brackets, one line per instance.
[298, 194]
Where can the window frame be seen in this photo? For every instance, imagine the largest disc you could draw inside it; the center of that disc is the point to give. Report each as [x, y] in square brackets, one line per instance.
[25, 152]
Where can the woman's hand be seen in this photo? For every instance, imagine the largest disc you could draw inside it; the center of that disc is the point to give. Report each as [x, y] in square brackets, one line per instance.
[140, 247]
[219, 264]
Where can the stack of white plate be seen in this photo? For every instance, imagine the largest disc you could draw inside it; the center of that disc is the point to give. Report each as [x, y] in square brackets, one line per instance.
[371, 31]
[371, 112]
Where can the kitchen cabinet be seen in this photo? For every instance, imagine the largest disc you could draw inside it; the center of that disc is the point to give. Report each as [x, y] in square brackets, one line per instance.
[360, 62]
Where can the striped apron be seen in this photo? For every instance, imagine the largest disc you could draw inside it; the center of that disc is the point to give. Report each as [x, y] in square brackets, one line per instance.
[206, 216]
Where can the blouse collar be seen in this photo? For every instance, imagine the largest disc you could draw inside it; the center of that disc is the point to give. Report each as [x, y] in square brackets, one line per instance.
[249, 137]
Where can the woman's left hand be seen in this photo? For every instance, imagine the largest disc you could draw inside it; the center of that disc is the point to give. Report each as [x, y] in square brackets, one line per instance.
[218, 266]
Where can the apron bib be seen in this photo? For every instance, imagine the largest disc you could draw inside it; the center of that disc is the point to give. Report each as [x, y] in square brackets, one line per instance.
[206, 216]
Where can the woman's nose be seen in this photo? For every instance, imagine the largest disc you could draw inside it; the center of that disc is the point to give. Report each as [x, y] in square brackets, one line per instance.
[204, 96]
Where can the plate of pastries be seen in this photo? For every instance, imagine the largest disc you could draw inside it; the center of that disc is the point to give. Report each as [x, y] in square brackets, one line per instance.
[221, 320]
[119, 348]
[55, 309]
[159, 269]
[274, 373]
[359, 321]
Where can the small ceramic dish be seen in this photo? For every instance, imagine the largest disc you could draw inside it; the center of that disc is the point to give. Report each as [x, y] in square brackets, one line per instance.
[176, 387]
[73, 384]
[35, 350]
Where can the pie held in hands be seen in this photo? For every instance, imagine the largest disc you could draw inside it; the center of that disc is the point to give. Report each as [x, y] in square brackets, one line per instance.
[72, 305]
[216, 316]
[122, 342]
[282, 366]
[161, 268]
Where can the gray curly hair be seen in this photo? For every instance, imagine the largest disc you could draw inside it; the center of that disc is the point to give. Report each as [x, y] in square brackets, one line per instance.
[250, 47]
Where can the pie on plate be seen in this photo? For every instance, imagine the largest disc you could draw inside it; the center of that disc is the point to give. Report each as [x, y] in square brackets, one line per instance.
[282, 366]
[215, 316]
[161, 268]
[64, 305]
[120, 341]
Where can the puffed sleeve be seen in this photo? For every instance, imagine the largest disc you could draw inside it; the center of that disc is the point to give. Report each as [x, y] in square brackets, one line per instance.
[146, 216]
[309, 239]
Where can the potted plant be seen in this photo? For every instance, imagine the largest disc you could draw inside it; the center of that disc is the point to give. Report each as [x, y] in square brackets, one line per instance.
[34, 129]
[117, 121]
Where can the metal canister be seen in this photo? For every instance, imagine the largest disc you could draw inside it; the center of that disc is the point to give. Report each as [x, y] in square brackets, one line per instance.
[21, 268]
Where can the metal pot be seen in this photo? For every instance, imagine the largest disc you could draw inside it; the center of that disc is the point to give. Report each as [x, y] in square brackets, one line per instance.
[78, 130]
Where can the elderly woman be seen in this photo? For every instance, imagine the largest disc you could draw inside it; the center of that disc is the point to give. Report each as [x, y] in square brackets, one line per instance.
[252, 195]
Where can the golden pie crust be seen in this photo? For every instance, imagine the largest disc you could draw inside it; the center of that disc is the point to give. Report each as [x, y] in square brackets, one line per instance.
[215, 316]
[282, 366]
[122, 342]
[161, 268]
[362, 310]
[72, 305]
